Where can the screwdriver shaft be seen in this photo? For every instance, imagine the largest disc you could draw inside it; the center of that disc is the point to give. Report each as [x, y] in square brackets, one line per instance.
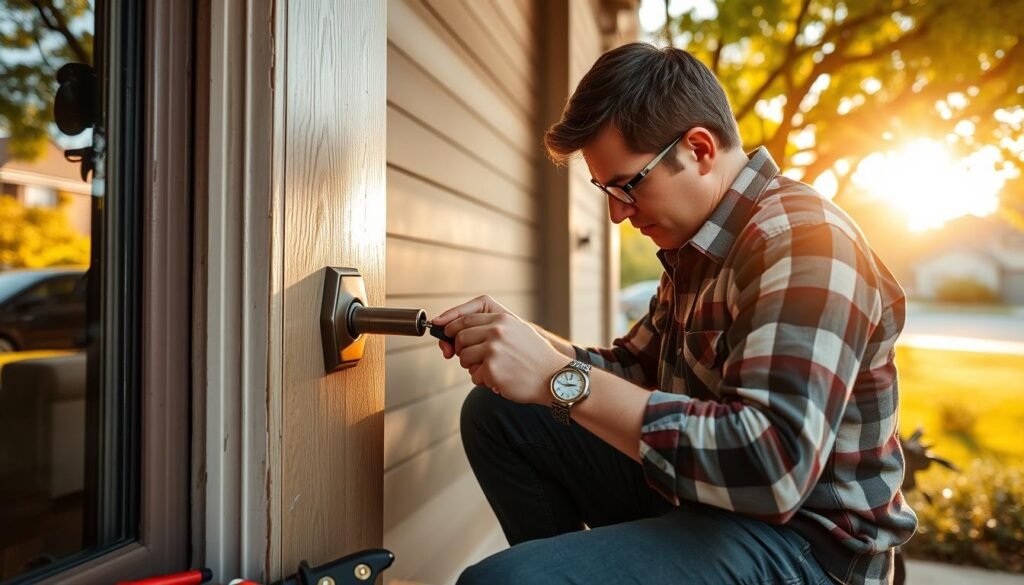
[438, 332]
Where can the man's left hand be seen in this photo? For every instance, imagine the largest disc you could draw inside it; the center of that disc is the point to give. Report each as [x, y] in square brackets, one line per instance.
[505, 353]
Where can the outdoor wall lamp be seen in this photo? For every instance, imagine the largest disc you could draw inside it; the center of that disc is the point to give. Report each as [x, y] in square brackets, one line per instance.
[345, 319]
[74, 110]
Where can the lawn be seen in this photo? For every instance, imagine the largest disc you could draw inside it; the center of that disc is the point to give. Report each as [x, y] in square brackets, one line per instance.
[970, 404]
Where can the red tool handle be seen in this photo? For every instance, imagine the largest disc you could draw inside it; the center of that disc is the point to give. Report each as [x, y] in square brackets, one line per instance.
[187, 578]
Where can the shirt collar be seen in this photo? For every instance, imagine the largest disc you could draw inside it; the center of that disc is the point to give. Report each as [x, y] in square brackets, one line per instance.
[715, 238]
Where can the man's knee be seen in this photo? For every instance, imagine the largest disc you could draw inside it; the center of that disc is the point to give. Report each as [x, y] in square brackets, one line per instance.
[523, 563]
[478, 410]
[485, 572]
[479, 401]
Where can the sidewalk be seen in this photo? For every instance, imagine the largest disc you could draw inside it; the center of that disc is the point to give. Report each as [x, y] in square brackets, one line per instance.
[930, 573]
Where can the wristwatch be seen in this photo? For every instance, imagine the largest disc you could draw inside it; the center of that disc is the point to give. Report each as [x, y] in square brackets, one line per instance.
[569, 387]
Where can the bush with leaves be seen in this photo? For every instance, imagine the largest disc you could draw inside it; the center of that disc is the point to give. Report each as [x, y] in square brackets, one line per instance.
[36, 237]
[965, 290]
[638, 255]
[973, 518]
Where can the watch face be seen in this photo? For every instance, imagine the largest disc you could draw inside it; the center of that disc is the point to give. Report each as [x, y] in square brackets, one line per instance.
[568, 385]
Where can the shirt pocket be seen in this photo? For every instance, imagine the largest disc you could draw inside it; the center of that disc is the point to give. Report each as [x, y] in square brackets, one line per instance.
[704, 353]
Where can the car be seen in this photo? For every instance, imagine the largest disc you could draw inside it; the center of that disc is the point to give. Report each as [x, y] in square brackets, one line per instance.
[635, 299]
[42, 309]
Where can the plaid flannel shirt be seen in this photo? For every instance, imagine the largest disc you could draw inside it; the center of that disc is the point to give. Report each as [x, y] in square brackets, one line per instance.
[769, 352]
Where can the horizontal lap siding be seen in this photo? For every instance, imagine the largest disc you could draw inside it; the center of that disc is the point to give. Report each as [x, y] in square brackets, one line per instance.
[588, 212]
[463, 220]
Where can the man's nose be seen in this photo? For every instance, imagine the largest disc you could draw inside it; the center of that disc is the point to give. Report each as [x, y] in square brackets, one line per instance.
[619, 211]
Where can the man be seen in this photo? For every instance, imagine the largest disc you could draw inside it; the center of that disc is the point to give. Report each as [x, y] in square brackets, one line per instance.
[745, 430]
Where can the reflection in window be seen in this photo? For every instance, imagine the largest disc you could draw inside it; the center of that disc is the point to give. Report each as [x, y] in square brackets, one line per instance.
[63, 414]
[40, 196]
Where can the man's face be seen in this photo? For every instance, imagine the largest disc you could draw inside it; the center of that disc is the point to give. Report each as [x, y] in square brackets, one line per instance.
[670, 204]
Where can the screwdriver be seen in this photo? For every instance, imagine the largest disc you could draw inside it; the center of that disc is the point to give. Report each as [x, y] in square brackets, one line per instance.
[436, 331]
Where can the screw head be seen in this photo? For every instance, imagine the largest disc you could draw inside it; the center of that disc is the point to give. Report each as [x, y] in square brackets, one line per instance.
[325, 581]
[363, 572]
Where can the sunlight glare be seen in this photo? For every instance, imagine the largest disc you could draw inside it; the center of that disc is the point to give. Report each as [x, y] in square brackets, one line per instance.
[929, 186]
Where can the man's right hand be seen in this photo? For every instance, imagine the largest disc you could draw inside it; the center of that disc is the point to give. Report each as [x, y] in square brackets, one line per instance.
[481, 304]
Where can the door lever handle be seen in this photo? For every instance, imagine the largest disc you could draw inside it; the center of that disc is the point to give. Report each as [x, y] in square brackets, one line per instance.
[345, 319]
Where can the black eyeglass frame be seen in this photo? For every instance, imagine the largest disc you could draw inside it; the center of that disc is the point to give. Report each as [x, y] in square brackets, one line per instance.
[626, 196]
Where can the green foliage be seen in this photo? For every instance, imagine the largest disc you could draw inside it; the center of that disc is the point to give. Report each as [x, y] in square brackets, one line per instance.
[36, 39]
[965, 290]
[36, 237]
[957, 418]
[974, 518]
[638, 257]
[860, 77]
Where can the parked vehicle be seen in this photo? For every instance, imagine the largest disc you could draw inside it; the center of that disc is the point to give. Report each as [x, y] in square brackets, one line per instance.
[42, 309]
[635, 299]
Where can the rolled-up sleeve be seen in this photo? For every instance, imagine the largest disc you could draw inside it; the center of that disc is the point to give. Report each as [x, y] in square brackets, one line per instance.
[803, 307]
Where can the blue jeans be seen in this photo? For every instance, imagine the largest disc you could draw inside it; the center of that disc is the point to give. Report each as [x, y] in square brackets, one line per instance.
[544, 481]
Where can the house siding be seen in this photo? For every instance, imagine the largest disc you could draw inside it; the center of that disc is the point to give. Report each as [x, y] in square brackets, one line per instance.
[465, 218]
[591, 236]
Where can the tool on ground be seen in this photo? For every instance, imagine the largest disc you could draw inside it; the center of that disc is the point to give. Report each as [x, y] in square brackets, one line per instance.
[354, 569]
[194, 577]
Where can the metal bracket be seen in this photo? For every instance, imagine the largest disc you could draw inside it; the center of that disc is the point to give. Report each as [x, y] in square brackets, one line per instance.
[344, 290]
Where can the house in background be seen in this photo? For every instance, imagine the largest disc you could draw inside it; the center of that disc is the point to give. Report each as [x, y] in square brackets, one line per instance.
[988, 251]
[1008, 250]
[42, 182]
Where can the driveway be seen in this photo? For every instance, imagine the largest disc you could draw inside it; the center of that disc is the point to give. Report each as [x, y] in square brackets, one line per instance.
[929, 573]
[987, 329]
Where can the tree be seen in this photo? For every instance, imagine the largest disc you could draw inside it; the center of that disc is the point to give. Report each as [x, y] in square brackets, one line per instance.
[823, 84]
[36, 38]
[36, 237]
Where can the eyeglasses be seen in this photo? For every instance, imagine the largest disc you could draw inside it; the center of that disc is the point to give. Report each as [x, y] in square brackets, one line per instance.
[623, 192]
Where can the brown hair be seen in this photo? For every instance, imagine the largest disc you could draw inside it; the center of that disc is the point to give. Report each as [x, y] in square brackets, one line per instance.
[650, 94]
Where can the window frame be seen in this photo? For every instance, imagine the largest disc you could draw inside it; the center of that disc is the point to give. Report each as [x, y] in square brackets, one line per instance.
[150, 135]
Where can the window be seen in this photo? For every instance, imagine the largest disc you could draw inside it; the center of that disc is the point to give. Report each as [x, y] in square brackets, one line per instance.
[37, 196]
[70, 357]
[53, 290]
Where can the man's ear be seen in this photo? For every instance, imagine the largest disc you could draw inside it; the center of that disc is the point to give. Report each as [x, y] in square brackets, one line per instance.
[701, 143]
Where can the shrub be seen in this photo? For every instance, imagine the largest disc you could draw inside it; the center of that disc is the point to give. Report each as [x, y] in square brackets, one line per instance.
[638, 255]
[35, 237]
[974, 518]
[957, 418]
[965, 290]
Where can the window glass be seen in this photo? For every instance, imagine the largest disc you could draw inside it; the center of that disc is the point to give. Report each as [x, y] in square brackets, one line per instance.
[68, 344]
[37, 196]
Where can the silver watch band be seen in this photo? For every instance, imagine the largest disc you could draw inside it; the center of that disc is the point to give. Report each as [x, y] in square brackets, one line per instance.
[582, 366]
[560, 412]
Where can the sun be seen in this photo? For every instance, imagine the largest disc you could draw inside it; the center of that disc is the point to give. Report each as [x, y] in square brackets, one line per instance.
[930, 186]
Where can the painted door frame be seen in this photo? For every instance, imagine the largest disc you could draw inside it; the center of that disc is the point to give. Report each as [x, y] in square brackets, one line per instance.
[231, 342]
